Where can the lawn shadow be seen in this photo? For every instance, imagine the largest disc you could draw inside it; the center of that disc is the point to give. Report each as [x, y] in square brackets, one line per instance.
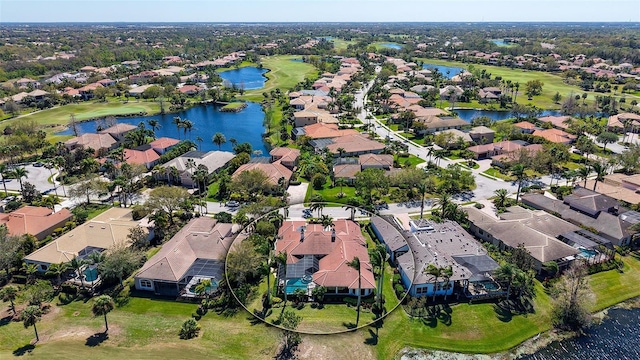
[96, 339]
[349, 325]
[66, 299]
[21, 351]
[430, 321]
[502, 314]
[372, 339]
[6, 320]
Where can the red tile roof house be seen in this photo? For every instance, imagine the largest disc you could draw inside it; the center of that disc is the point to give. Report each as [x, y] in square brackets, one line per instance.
[319, 256]
[287, 156]
[87, 91]
[118, 131]
[37, 221]
[190, 90]
[376, 161]
[97, 142]
[525, 127]
[148, 157]
[274, 171]
[195, 253]
[346, 171]
[163, 144]
[555, 136]
[488, 150]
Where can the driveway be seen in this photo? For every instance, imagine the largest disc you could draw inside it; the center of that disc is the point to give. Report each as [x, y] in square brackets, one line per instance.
[38, 176]
[297, 193]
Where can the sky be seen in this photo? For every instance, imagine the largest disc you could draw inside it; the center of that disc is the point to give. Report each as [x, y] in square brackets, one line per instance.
[319, 11]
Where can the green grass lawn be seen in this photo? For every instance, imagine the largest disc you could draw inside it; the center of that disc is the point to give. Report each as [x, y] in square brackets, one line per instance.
[613, 286]
[234, 106]
[283, 74]
[330, 194]
[413, 160]
[341, 44]
[552, 83]
[83, 111]
[496, 173]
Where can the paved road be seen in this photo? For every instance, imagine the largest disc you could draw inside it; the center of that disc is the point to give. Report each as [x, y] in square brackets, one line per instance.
[38, 176]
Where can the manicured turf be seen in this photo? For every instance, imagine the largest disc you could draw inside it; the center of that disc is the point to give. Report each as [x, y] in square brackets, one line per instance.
[234, 106]
[552, 83]
[283, 74]
[340, 44]
[330, 194]
[83, 111]
[613, 286]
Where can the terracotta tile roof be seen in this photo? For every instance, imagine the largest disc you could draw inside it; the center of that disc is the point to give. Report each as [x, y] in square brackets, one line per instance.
[333, 271]
[556, 121]
[525, 125]
[618, 120]
[323, 131]
[355, 143]
[285, 154]
[347, 171]
[376, 160]
[92, 141]
[274, 171]
[90, 87]
[503, 146]
[163, 143]
[142, 157]
[119, 128]
[37, 221]
[555, 136]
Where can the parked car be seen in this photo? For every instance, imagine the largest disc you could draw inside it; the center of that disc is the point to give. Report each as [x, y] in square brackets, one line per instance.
[37, 164]
[232, 204]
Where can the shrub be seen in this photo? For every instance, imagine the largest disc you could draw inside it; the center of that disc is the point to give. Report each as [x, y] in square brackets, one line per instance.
[478, 205]
[13, 205]
[318, 181]
[189, 330]
[350, 301]
[138, 212]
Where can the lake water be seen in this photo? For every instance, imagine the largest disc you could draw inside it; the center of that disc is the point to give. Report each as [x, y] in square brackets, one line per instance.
[470, 114]
[453, 71]
[392, 46]
[248, 77]
[617, 337]
[500, 42]
[244, 126]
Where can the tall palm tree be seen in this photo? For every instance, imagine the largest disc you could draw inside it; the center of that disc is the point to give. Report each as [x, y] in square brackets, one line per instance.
[51, 202]
[19, 173]
[355, 264]
[49, 165]
[501, 197]
[219, 139]
[583, 173]
[436, 272]
[187, 126]
[352, 205]
[57, 270]
[76, 264]
[341, 152]
[281, 260]
[341, 182]
[446, 274]
[4, 170]
[30, 316]
[600, 170]
[317, 206]
[518, 171]
[444, 201]
[102, 305]
[177, 121]
[506, 273]
[423, 189]
[154, 125]
[10, 293]
[200, 140]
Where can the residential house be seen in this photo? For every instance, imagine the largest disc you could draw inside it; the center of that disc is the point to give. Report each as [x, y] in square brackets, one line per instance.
[536, 231]
[623, 121]
[163, 144]
[558, 122]
[287, 156]
[137, 91]
[98, 142]
[431, 124]
[106, 82]
[190, 90]
[25, 83]
[587, 208]
[351, 145]
[488, 150]
[614, 189]
[148, 157]
[196, 253]
[86, 92]
[319, 256]
[482, 135]
[322, 131]
[390, 236]
[556, 136]
[275, 171]
[447, 92]
[376, 161]
[119, 131]
[104, 232]
[525, 127]
[347, 172]
[37, 221]
[213, 160]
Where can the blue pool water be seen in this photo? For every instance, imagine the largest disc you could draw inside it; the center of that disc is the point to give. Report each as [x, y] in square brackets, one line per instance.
[248, 78]
[90, 273]
[587, 253]
[297, 283]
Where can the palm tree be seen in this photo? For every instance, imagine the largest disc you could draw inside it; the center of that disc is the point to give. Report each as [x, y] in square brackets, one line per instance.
[102, 305]
[355, 264]
[341, 182]
[31, 270]
[3, 172]
[326, 221]
[446, 274]
[378, 256]
[436, 272]
[281, 260]
[178, 123]
[51, 202]
[601, 171]
[444, 201]
[506, 272]
[199, 139]
[49, 165]
[19, 173]
[317, 206]
[518, 171]
[583, 173]
[154, 125]
[76, 264]
[501, 197]
[30, 316]
[203, 287]
[423, 188]
[57, 270]
[219, 139]
[352, 205]
[10, 293]
[187, 125]
[341, 151]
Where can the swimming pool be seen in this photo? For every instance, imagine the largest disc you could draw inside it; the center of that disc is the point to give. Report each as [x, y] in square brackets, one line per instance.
[298, 283]
[587, 253]
[90, 273]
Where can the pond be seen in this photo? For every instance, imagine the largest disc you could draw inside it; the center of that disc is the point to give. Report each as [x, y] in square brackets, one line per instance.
[244, 126]
[247, 78]
[617, 337]
[453, 71]
[392, 46]
[495, 115]
[500, 42]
